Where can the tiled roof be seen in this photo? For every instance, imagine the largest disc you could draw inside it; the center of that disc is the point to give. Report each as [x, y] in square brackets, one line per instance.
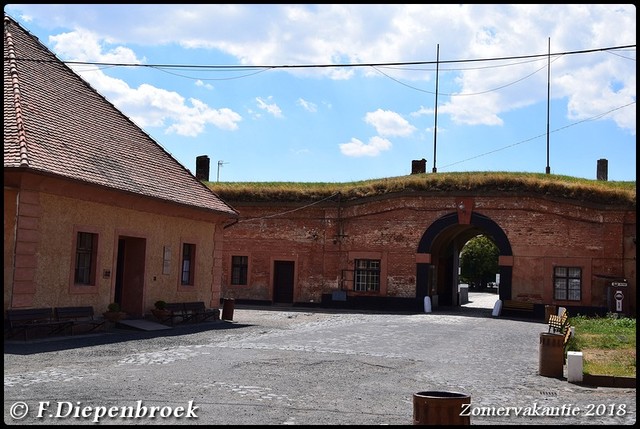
[56, 123]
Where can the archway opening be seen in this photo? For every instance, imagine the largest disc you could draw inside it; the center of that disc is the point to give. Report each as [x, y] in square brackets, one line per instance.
[443, 243]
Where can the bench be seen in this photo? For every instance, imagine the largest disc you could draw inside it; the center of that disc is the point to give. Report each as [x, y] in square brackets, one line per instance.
[35, 319]
[79, 316]
[521, 306]
[188, 312]
[197, 312]
[173, 311]
[559, 324]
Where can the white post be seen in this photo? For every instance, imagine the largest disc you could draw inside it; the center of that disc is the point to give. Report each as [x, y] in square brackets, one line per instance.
[497, 308]
[427, 304]
[574, 367]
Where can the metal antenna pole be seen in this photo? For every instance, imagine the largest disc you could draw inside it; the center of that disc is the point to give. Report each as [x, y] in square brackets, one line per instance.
[220, 163]
[435, 127]
[548, 169]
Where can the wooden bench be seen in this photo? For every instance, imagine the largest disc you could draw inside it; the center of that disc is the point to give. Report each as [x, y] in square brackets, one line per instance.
[174, 311]
[522, 306]
[197, 312]
[79, 316]
[557, 323]
[26, 320]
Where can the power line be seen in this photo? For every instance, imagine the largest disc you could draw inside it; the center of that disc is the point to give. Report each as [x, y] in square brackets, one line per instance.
[592, 118]
[463, 94]
[253, 67]
[251, 219]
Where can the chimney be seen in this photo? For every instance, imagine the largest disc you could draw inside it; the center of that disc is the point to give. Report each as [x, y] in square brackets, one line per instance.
[202, 168]
[418, 166]
[603, 170]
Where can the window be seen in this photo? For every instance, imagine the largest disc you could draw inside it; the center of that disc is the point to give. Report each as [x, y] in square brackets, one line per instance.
[166, 260]
[239, 266]
[188, 263]
[86, 255]
[567, 283]
[367, 275]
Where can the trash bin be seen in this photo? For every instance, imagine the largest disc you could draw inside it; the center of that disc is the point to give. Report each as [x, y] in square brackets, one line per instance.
[227, 308]
[551, 354]
[548, 311]
[441, 408]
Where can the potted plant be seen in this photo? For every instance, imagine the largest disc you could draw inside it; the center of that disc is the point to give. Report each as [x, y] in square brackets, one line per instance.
[113, 313]
[160, 310]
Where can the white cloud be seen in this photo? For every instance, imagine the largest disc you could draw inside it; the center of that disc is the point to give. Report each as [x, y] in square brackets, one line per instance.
[272, 108]
[423, 111]
[147, 105]
[357, 148]
[389, 123]
[307, 105]
[83, 45]
[203, 84]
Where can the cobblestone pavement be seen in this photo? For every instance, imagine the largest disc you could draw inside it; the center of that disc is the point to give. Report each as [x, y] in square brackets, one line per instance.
[289, 366]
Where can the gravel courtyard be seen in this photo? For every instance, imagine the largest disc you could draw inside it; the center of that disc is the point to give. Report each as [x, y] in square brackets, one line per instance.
[289, 366]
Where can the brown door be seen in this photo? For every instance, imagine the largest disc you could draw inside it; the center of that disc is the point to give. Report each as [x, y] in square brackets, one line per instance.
[130, 269]
[283, 281]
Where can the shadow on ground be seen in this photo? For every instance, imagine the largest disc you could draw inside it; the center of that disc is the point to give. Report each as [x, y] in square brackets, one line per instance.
[116, 335]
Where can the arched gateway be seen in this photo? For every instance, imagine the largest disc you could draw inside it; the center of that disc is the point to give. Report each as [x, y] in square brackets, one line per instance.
[437, 257]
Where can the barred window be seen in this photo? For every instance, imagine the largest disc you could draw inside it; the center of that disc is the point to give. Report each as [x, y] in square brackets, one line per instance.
[367, 275]
[567, 283]
[188, 263]
[239, 265]
[86, 255]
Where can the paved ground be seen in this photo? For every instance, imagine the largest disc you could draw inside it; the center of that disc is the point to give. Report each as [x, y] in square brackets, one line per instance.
[300, 367]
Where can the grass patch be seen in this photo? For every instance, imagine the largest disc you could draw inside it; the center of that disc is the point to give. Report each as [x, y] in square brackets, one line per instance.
[597, 191]
[608, 344]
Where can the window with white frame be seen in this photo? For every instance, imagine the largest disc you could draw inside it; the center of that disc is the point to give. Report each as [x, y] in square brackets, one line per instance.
[366, 275]
[567, 283]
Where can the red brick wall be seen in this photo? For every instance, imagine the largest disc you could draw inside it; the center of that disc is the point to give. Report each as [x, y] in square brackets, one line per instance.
[542, 233]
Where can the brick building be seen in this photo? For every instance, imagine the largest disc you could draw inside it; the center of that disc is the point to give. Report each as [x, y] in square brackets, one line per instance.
[390, 250]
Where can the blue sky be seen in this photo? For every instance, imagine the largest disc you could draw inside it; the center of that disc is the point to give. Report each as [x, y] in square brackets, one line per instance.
[363, 119]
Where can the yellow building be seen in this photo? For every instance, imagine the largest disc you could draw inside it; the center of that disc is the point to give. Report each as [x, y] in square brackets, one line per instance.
[95, 211]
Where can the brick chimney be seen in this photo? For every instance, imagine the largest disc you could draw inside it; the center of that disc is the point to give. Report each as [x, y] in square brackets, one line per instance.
[603, 170]
[418, 166]
[202, 168]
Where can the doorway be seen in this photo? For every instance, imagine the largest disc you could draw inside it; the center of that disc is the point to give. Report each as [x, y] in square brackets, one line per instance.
[283, 276]
[130, 268]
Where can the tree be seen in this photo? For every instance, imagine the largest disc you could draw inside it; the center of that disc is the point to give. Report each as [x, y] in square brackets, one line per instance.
[479, 261]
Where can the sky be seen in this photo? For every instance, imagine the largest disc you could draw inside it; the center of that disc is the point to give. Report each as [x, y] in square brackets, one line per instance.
[344, 93]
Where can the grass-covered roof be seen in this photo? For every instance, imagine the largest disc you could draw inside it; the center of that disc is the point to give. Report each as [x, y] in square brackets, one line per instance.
[596, 191]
